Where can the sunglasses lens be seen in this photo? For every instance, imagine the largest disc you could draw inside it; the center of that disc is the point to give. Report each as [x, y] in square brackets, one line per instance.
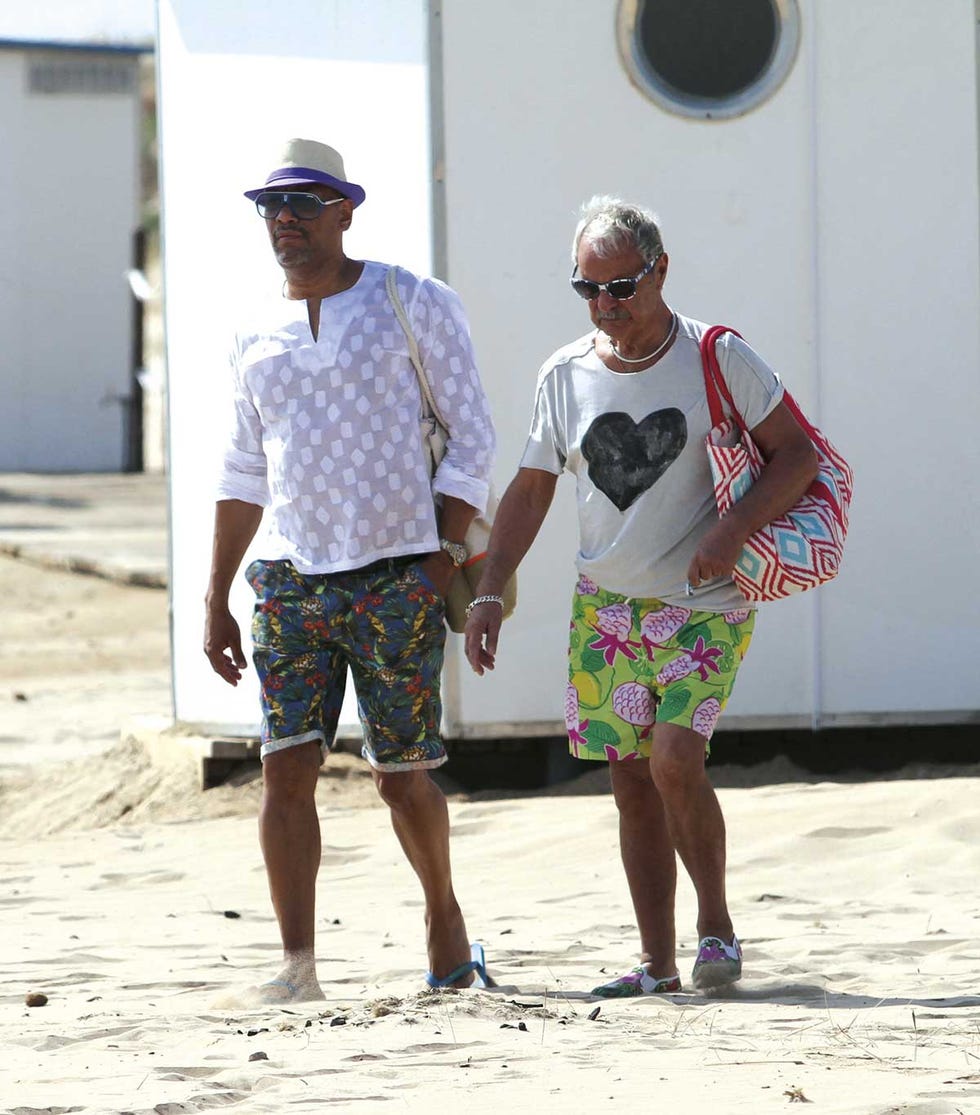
[305, 206]
[584, 289]
[269, 204]
[621, 288]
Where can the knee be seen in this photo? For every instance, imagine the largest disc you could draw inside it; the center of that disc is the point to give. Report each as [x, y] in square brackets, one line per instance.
[291, 774]
[399, 789]
[631, 786]
[677, 763]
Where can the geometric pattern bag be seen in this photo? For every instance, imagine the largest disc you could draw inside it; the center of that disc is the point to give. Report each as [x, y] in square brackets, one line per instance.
[462, 589]
[801, 548]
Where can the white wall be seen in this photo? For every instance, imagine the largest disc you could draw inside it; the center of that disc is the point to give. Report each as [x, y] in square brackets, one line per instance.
[899, 305]
[69, 174]
[836, 227]
[348, 72]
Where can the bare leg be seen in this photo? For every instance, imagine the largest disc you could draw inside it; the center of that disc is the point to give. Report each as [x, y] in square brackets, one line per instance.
[649, 862]
[694, 820]
[421, 822]
[289, 832]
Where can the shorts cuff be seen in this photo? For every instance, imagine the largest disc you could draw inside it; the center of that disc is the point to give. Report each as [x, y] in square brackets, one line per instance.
[273, 745]
[419, 764]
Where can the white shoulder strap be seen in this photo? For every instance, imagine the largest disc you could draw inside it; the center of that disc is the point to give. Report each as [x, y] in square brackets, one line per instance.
[413, 347]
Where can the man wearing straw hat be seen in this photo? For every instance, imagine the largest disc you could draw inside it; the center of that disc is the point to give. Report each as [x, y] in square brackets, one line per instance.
[357, 556]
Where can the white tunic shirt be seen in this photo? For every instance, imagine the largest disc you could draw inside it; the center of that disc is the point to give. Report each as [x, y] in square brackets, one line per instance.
[326, 432]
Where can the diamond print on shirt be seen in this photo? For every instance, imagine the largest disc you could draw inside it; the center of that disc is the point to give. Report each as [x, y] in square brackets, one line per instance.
[325, 430]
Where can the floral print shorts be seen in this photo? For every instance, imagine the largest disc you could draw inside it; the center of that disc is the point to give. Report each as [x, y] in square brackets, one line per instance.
[385, 623]
[633, 662]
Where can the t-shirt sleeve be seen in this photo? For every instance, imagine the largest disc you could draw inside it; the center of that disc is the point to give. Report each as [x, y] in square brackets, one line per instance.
[755, 387]
[546, 445]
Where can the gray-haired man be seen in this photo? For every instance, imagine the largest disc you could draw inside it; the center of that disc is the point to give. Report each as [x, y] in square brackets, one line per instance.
[652, 661]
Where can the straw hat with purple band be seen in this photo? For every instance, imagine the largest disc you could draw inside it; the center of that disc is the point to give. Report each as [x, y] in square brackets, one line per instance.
[304, 161]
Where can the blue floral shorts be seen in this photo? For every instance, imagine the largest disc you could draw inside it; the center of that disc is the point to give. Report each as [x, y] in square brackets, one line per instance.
[385, 623]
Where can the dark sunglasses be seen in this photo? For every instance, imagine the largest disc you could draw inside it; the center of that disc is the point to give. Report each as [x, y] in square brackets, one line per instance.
[304, 207]
[620, 289]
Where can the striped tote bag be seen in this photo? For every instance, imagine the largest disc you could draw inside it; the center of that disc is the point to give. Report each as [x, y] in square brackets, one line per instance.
[803, 547]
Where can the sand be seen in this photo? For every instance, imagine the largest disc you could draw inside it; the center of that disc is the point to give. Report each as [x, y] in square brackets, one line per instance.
[135, 903]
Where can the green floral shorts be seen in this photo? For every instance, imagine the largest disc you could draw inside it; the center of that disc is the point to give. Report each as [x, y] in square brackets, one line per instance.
[636, 662]
[385, 623]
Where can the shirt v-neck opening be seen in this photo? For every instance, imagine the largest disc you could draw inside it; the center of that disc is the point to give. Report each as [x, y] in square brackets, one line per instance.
[329, 298]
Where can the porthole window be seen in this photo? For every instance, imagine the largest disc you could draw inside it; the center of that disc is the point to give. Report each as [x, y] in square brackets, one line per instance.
[711, 59]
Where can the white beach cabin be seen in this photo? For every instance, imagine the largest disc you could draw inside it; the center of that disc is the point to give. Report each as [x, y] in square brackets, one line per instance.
[69, 171]
[815, 166]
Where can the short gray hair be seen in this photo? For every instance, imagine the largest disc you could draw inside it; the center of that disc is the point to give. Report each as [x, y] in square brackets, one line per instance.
[612, 225]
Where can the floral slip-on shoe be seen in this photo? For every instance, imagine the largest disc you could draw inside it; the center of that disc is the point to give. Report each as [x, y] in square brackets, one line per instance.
[717, 964]
[637, 982]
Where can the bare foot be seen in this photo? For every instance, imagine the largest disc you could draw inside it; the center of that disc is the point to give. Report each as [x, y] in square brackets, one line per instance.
[448, 946]
[296, 983]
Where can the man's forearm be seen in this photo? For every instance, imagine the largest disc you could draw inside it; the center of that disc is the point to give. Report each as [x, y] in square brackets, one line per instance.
[516, 524]
[235, 524]
[455, 516]
[785, 478]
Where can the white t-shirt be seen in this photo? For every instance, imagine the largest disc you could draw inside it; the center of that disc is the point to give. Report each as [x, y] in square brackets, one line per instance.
[635, 444]
[326, 432]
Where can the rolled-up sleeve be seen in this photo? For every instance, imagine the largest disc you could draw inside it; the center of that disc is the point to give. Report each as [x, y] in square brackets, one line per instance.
[244, 470]
[443, 334]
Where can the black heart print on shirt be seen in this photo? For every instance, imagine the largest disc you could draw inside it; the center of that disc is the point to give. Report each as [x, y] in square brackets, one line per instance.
[626, 457]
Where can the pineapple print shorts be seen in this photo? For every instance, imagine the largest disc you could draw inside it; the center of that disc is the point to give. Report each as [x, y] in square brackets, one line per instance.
[385, 622]
[635, 662]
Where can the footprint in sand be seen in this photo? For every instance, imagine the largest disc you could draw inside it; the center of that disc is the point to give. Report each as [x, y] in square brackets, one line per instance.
[115, 878]
[845, 833]
[469, 828]
[332, 856]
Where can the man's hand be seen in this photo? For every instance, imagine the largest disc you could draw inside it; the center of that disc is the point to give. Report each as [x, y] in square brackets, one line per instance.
[221, 634]
[439, 570]
[716, 554]
[480, 636]
[235, 524]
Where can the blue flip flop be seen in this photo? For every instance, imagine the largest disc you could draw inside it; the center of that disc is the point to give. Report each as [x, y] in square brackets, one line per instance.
[290, 987]
[477, 964]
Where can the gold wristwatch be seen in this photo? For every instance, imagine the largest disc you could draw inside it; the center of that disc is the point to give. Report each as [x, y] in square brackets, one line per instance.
[456, 550]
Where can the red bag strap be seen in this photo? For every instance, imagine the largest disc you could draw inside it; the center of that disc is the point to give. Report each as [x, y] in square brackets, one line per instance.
[716, 388]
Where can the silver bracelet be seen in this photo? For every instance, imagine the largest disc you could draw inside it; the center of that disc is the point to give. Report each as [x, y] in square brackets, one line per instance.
[483, 600]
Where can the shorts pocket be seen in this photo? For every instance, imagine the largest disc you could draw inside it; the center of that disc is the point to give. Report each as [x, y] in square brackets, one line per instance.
[255, 574]
[272, 578]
